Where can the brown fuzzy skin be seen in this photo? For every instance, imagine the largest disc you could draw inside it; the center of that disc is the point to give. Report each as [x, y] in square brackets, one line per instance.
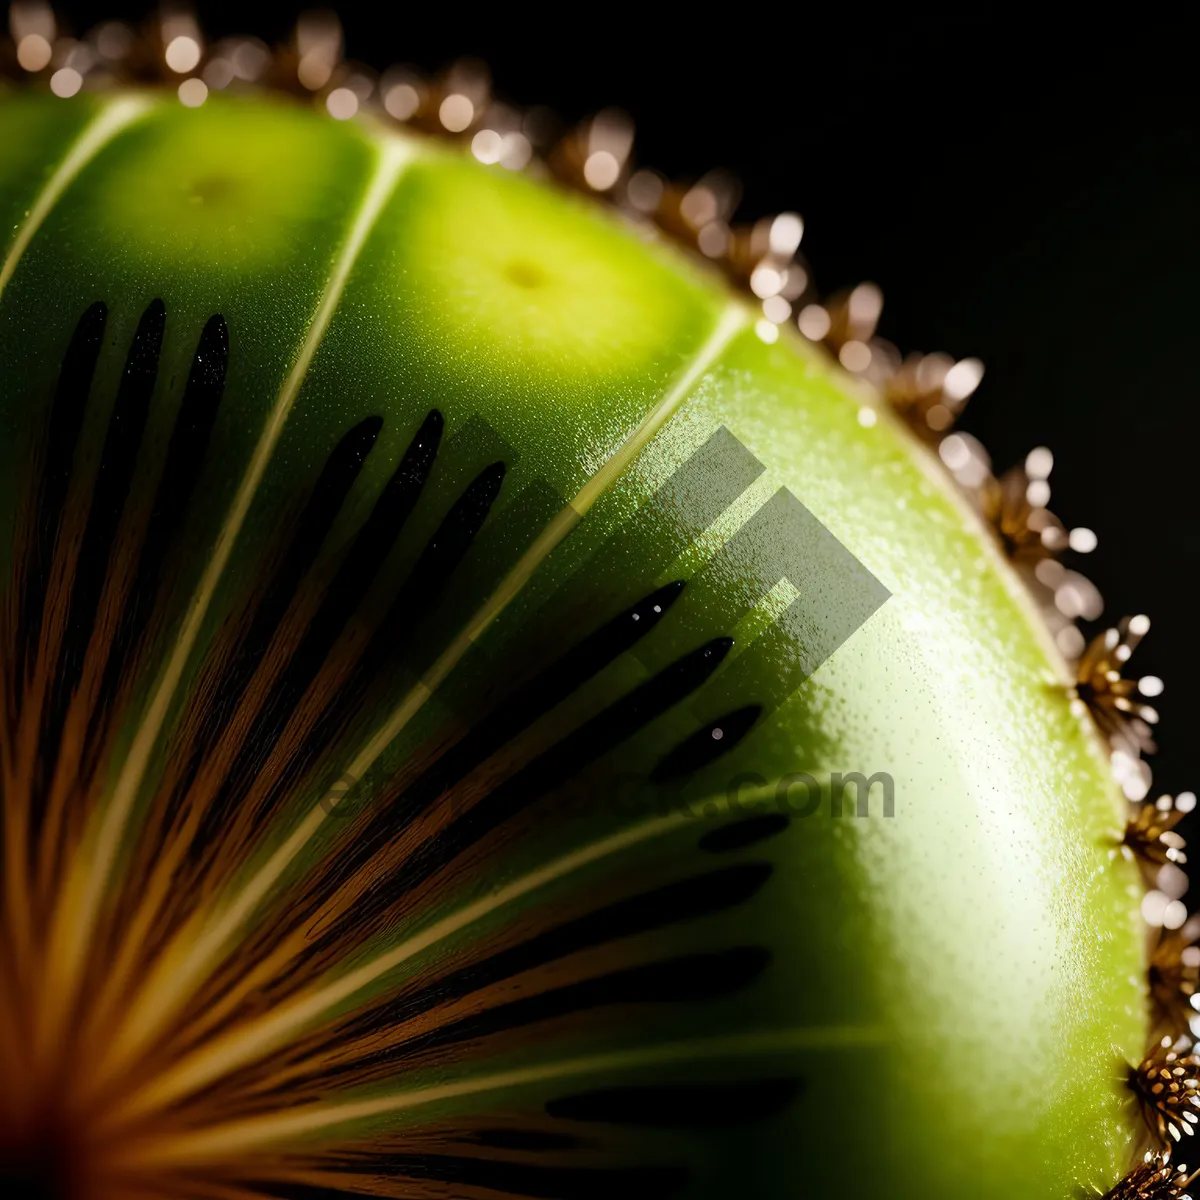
[1168, 1091]
[1156, 1177]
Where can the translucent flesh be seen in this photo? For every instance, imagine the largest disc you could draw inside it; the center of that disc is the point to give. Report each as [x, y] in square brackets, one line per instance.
[958, 985]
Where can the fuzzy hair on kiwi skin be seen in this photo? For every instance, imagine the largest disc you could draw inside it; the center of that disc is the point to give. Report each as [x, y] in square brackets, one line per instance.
[927, 399]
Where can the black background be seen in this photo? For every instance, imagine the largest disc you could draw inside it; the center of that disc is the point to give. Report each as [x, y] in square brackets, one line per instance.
[1023, 192]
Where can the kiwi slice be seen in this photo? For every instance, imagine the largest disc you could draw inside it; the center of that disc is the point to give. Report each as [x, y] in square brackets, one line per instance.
[488, 714]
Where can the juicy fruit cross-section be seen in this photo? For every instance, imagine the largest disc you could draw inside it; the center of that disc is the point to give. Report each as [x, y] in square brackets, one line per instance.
[486, 715]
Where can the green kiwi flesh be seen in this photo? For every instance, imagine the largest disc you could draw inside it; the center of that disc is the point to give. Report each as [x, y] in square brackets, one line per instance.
[933, 1003]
